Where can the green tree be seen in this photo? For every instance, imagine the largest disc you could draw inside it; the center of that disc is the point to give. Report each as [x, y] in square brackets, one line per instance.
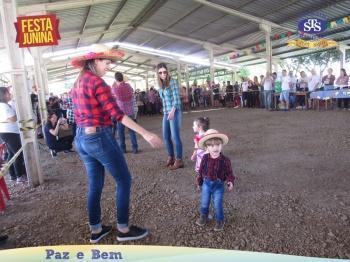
[243, 72]
[309, 61]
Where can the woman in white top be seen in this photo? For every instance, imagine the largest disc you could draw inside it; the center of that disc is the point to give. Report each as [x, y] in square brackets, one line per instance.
[245, 86]
[267, 82]
[341, 83]
[9, 133]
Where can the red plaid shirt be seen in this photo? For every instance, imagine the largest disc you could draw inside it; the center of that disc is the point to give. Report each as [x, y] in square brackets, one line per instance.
[93, 102]
[212, 169]
[123, 94]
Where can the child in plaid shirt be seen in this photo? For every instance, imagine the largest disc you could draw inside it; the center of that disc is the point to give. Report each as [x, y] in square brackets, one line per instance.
[214, 171]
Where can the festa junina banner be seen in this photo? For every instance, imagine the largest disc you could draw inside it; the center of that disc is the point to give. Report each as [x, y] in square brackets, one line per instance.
[139, 253]
[41, 30]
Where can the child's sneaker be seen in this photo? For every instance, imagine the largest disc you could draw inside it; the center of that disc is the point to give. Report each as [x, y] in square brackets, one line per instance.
[134, 233]
[201, 221]
[98, 236]
[21, 179]
[219, 226]
[53, 153]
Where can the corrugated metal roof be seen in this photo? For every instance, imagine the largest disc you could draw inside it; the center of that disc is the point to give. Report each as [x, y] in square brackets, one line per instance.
[193, 20]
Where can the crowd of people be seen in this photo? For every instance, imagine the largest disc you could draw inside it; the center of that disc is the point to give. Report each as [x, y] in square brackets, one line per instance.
[260, 92]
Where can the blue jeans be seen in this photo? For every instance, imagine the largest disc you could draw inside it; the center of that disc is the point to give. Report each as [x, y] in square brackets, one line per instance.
[101, 151]
[121, 135]
[171, 132]
[214, 189]
[268, 99]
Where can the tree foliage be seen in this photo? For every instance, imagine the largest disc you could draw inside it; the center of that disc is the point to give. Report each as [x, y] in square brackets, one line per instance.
[243, 72]
[308, 62]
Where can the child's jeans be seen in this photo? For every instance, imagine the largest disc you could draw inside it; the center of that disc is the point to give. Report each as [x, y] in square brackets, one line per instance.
[216, 190]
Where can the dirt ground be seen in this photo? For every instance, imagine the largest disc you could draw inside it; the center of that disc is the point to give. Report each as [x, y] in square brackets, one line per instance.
[291, 194]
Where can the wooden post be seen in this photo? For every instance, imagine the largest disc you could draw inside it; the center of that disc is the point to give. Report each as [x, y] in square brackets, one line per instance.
[20, 88]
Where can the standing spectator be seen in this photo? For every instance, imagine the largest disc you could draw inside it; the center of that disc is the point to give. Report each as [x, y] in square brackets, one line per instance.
[262, 93]
[169, 93]
[206, 97]
[328, 80]
[125, 100]
[343, 83]
[95, 108]
[216, 94]
[229, 93]
[303, 87]
[196, 95]
[292, 85]
[314, 82]
[184, 98]
[9, 133]
[267, 82]
[285, 85]
[152, 100]
[255, 93]
[245, 91]
[70, 113]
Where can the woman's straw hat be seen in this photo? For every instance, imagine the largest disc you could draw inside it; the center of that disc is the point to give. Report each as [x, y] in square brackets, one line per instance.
[97, 51]
[212, 133]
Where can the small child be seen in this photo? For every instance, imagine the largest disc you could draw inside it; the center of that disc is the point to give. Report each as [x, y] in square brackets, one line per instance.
[200, 126]
[214, 171]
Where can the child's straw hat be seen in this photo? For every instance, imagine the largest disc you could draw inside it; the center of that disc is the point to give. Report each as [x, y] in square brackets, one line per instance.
[212, 133]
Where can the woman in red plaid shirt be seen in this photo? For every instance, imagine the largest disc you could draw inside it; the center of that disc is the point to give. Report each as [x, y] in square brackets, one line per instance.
[94, 110]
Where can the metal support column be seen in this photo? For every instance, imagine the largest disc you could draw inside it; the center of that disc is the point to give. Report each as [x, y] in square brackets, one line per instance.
[187, 79]
[20, 87]
[267, 30]
[40, 81]
[342, 51]
[179, 73]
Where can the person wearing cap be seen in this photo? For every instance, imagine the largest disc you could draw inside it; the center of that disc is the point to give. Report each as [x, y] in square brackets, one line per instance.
[169, 93]
[215, 170]
[94, 110]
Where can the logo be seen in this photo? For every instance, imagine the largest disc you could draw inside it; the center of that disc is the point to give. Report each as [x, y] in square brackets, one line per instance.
[312, 25]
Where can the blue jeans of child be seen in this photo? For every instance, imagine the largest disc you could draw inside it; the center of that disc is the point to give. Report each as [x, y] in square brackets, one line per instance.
[121, 135]
[171, 132]
[100, 151]
[213, 189]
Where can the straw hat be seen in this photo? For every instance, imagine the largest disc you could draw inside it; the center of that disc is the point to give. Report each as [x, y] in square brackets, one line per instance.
[212, 133]
[97, 51]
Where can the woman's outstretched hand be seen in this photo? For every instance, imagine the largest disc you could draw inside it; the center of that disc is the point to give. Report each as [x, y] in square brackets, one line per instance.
[153, 140]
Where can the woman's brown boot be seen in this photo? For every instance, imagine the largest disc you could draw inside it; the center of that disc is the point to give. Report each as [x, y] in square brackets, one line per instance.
[178, 164]
[170, 161]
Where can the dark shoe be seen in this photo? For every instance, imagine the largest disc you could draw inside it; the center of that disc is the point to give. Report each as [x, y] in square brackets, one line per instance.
[219, 226]
[53, 153]
[134, 233]
[178, 164]
[201, 221]
[170, 161]
[135, 151]
[98, 236]
[3, 239]
[69, 151]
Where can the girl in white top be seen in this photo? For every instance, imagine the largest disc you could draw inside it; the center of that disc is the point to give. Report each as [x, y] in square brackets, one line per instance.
[9, 133]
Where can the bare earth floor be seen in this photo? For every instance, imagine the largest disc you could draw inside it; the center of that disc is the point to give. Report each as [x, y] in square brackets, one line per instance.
[291, 194]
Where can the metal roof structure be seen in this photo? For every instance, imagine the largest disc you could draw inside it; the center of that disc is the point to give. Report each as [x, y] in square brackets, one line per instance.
[187, 27]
